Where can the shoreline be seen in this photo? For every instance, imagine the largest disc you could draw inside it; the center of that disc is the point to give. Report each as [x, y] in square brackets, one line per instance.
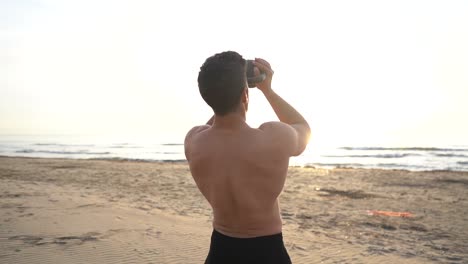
[63, 210]
[179, 161]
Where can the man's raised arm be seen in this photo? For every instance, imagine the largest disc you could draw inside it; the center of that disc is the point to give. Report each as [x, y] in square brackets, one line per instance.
[285, 112]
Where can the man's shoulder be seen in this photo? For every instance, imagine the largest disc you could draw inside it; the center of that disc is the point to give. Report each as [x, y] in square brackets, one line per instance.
[190, 137]
[194, 131]
[280, 136]
[276, 128]
[197, 129]
[273, 125]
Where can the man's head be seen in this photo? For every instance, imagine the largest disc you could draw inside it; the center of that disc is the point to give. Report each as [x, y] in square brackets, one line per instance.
[222, 82]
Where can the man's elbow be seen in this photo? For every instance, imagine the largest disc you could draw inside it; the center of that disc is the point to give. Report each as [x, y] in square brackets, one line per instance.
[303, 140]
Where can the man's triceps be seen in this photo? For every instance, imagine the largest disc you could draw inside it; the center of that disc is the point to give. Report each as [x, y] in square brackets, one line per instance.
[283, 137]
[303, 135]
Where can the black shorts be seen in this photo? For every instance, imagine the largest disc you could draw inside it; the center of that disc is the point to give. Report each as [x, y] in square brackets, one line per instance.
[264, 249]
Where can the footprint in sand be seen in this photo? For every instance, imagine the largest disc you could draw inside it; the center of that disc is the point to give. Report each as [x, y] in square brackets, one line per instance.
[10, 205]
[39, 241]
[27, 239]
[26, 215]
[90, 205]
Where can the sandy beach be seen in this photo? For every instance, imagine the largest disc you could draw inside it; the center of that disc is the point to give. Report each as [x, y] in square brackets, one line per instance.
[101, 211]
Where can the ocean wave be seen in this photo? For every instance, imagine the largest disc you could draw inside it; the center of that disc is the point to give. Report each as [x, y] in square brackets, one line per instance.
[399, 165]
[335, 165]
[406, 149]
[139, 160]
[172, 144]
[384, 166]
[47, 144]
[450, 155]
[124, 146]
[462, 162]
[30, 151]
[62, 145]
[123, 159]
[383, 156]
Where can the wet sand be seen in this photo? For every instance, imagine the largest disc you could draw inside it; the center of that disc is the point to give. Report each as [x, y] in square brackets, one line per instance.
[95, 211]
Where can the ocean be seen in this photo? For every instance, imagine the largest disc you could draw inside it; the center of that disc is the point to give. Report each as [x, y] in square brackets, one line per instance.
[413, 158]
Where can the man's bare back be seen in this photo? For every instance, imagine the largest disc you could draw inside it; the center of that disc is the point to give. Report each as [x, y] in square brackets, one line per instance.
[241, 174]
[240, 170]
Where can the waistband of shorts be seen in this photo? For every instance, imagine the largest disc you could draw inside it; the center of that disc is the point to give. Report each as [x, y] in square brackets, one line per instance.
[278, 236]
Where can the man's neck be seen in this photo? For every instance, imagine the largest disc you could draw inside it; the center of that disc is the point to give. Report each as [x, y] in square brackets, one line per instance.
[229, 121]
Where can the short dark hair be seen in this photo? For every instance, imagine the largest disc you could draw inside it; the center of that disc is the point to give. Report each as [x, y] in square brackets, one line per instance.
[221, 81]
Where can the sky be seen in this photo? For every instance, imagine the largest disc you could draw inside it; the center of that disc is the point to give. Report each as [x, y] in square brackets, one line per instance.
[361, 72]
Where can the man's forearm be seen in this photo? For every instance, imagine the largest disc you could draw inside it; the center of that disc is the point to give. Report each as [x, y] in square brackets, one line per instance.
[285, 112]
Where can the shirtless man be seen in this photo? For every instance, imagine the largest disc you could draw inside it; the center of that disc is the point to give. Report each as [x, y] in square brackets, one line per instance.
[239, 169]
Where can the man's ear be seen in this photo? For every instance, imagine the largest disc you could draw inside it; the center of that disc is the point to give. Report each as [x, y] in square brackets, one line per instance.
[245, 95]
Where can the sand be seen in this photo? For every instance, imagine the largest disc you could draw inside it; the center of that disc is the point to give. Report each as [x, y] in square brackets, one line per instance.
[96, 211]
